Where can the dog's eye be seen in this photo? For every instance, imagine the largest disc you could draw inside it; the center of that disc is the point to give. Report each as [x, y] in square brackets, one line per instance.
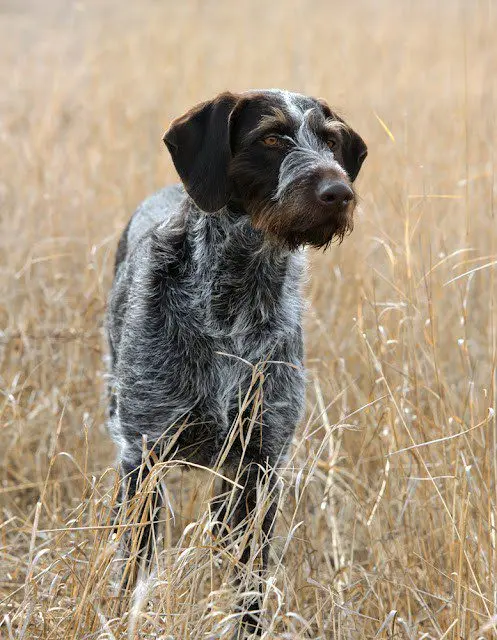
[271, 141]
[332, 143]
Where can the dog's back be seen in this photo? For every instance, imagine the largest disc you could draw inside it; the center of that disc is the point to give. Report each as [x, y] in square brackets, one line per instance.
[155, 209]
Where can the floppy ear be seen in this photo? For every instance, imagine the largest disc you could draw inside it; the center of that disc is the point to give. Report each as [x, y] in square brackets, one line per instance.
[354, 150]
[199, 146]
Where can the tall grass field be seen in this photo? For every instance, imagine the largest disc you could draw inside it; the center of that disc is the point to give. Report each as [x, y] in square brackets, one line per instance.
[388, 510]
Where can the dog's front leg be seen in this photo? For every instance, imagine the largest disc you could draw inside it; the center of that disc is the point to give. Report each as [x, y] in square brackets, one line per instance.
[140, 505]
[253, 517]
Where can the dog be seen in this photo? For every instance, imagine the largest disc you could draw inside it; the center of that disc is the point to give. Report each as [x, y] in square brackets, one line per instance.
[207, 290]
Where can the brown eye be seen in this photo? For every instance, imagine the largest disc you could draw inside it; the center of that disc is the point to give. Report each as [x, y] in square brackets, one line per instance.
[271, 141]
[332, 143]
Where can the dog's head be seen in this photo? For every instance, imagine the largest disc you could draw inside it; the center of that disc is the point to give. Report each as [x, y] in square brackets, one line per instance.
[285, 159]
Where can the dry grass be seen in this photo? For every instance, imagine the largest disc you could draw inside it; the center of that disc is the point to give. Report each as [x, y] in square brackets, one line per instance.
[389, 511]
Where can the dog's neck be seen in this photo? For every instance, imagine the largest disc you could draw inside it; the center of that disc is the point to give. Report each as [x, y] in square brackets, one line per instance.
[251, 282]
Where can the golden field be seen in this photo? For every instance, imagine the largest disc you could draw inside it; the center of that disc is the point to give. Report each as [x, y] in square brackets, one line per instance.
[388, 516]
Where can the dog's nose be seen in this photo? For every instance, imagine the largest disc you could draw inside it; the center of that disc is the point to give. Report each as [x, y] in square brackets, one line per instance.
[334, 192]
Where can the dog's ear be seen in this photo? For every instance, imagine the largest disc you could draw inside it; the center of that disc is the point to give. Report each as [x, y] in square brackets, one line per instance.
[354, 149]
[199, 144]
[354, 152]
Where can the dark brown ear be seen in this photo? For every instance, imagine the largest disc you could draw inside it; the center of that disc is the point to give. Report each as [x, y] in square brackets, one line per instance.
[354, 152]
[354, 149]
[199, 146]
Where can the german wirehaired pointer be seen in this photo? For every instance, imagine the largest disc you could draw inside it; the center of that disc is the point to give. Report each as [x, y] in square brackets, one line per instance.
[207, 290]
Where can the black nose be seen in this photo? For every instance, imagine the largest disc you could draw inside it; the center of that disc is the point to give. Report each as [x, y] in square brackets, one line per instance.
[334, 192]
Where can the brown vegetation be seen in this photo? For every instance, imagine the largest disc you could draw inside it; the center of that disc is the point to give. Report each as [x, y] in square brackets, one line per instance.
[388, 525]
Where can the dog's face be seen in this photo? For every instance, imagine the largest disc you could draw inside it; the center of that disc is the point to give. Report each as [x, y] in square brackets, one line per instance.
[285, 159]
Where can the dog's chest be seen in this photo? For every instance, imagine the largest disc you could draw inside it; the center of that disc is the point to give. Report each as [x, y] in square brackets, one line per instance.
[228, 309]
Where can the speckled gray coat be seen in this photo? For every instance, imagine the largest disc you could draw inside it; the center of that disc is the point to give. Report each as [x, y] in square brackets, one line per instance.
[199, 300]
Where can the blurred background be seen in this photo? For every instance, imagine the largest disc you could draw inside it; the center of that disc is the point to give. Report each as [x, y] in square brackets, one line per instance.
[394, 477]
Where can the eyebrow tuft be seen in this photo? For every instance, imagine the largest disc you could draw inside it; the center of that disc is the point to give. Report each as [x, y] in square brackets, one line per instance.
[334, 126]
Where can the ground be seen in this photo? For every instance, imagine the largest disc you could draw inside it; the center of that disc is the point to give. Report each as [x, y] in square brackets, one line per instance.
[387, 526]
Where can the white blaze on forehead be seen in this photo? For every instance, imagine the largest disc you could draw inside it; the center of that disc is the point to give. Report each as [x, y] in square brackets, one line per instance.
[308, 138]
[289, 98]
[291, 103]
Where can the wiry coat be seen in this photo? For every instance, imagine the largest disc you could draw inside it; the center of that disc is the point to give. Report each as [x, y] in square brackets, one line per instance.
[197, 299]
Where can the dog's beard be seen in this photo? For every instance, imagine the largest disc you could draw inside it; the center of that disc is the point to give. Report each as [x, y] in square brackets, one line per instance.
[294, 223]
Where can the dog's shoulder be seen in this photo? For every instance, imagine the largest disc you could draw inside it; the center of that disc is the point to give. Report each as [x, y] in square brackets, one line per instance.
[159, 208]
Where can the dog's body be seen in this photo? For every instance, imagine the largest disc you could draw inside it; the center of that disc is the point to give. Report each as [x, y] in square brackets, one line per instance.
[202, 300]
[184, 335]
